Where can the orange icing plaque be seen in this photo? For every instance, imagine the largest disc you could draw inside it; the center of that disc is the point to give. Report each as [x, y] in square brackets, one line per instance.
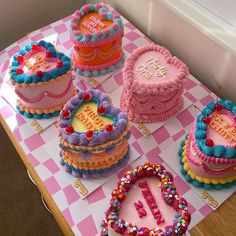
[92, 22]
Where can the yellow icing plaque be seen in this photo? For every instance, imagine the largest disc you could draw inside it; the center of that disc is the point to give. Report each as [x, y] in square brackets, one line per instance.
[86, 118]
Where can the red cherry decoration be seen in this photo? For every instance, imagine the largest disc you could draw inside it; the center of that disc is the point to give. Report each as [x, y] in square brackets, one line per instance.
[19, 71]
[39, 73]
[89, 134]
[86, 96]
[48, 53]
[66, 113]
[69, 129]
[209, 142]
[218, 107]
[20, 58]
[207, 120]
[109, 128]
[101, 109]
[35, 47]
[59, 64]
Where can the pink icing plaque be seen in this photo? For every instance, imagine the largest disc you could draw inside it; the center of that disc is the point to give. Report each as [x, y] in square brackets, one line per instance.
[152, 68]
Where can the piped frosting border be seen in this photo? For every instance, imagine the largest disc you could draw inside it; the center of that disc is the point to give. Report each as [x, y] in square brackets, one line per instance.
[96, 38]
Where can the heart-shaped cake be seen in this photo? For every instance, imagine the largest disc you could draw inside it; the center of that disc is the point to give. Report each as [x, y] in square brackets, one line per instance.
[140, 207]
[93, 134]
[97, 37]
[208, 155]
[42, 80]
[153, 84]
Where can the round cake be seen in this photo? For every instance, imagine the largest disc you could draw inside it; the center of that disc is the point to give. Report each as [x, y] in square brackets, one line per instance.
[208, 154]
[145, 202]
[97, 40]
[153, 84]
[93, 135]
[43, 80]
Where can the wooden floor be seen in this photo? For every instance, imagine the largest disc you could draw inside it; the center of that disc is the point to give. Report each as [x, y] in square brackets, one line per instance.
[22, 212]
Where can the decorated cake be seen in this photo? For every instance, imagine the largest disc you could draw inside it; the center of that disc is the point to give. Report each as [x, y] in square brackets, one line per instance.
[97, 40]
[153, 84]
[208, 154]
[93, 135]
[42, 79]
[146, 202]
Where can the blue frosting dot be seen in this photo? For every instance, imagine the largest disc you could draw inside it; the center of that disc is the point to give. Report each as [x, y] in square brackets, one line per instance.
[219, 150]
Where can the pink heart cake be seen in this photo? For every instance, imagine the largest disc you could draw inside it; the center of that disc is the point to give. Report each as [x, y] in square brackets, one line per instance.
[145, 202]
[97, 38]
[93, 135]
[208, 154]
[153, 84]
[43, 80]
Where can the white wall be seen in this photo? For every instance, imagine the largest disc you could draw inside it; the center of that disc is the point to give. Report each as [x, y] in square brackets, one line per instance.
[19, 17]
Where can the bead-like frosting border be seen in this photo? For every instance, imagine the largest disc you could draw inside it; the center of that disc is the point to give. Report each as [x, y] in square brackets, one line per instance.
[140, 87]
[121, 127]
[96, 172]
[200, 134]
[101, 69]
[197, 181]
[47, 76]
[180, 225]
[96, 38]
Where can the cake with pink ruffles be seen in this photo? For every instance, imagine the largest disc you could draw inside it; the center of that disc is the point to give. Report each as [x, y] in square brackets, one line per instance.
[153, 84]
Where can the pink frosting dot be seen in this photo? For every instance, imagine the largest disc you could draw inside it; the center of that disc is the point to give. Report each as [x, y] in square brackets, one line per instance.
[115, 26]
[98, 6]
[103, 15]
[99, 33]
[76, 18]
[76, 32]
[73, 26]
[86, 7]
[78, 12]
[107, 31]
[88, 35]
[116, 16]
[76, 47]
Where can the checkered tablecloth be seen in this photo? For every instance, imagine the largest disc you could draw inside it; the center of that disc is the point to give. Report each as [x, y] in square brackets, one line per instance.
[42, 149]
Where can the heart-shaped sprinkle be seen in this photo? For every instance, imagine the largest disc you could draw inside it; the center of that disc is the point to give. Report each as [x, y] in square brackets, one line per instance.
[19, 71]
[218, 107]
[69, 129]
[66, 113]
[109, 128]
[101, 110]
[48, 53]
[35, 47]
[207, 120]
[20, 58]
[89, 134]
[39, 73]
[86, 96]
[59, 64]
[210, 143]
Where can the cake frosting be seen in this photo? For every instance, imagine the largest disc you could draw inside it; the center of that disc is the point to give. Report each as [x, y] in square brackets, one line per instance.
[153, 84]
[43, 80]
[208, 154]
[97, 40]
[93, 135]
[146, 202]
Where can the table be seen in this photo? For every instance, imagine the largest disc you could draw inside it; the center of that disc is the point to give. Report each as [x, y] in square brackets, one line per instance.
[58, 188]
